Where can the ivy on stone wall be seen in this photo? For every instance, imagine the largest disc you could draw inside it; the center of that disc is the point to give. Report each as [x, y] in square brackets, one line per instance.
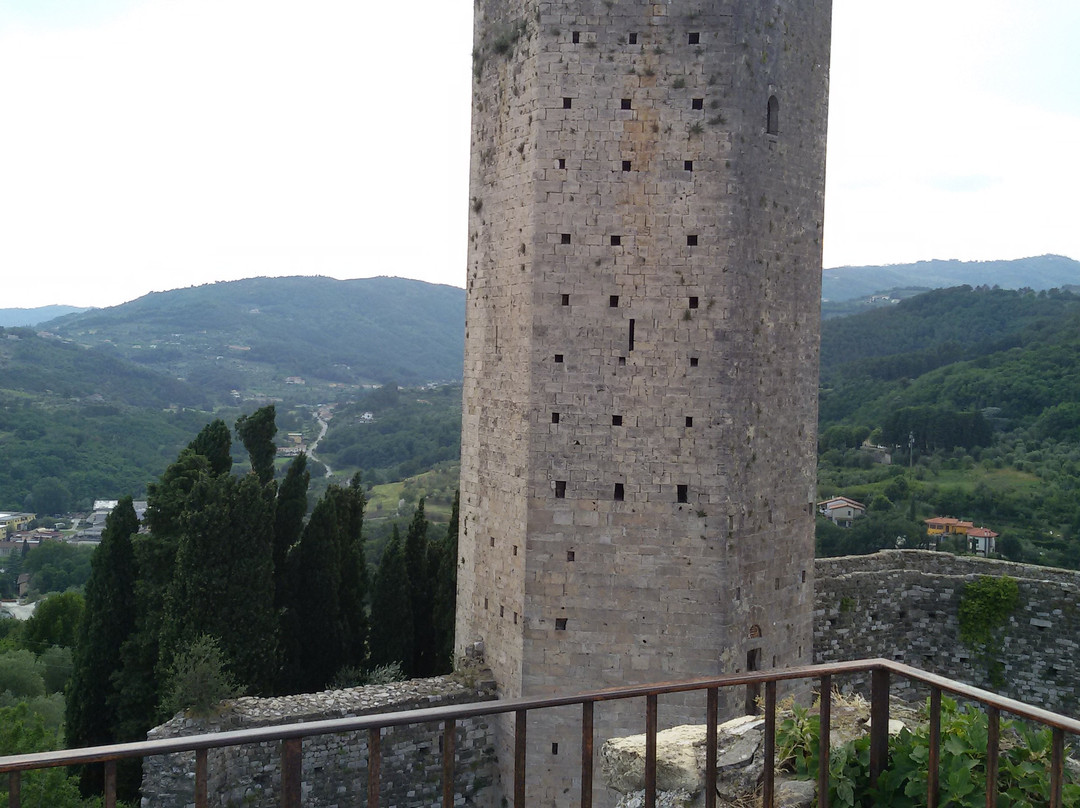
[985, 606]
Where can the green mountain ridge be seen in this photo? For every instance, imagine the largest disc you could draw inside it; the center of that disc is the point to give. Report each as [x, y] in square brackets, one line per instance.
[1037, 272]
[261, 334]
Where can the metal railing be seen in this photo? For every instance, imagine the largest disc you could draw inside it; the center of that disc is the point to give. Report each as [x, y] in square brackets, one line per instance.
[881, 671]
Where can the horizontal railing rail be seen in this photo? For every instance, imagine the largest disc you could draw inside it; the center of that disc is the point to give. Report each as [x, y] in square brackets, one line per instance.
[291, 736]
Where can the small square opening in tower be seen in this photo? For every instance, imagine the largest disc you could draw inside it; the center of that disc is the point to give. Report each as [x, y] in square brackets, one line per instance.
[625, 104]
[622, 361]
[560, 624]
[575, 37]
[515, 549]
[485, 604]
[689, 420]
[693, 361]
[691, 241]
[562, 162]
[616, 420]
[620, 492]
[569, 555]
[681, 493]
[554, 749]
[631, 39]
[560, 489]
[693, 38]
[616, 241]
[688, 165]
[502, 611]
[567, 102]
[693, 302]
[613, 301]
[566, 300]
[558, 359]
[697, 103]
[554, 417]
[564, 238]
[625, 165]
[492, 541]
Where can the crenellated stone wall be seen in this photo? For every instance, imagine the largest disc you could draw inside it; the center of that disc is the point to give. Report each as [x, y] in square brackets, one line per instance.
[904, 605]
[334, 766]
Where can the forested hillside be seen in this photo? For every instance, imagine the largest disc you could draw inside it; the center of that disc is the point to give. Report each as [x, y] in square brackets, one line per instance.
[977, 391]
[270, 335]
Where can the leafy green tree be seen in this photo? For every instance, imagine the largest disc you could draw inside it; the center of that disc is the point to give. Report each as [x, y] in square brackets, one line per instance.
[50, 496]
[56, 621]
[21, 674]
[22, 731]
[391, 608]
[257, 432]
[56, 566]
[199, 679]
[109, 619]
[57, 663]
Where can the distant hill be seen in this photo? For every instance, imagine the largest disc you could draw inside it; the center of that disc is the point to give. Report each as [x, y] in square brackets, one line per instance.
[28, 317]
[269, 335]
[962, 348]
[1040, 272]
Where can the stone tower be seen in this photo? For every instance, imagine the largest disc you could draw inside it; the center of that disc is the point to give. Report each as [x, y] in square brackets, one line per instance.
[640, 402]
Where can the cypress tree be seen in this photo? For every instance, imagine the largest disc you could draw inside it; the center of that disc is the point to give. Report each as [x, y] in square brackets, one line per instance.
[444, 555]
[223, 583]
[108, 620]
[314, 619]
[354, 580]
[391, 608]
[256, 432]
[421, 595]
[214, 443]
[289, 520]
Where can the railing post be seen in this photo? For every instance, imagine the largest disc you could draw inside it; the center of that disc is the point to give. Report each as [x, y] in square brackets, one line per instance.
[449, 740]
[993, 736]
[769, 772]
[1057, 765]
[879, 723]
[374, 766]
[110, 784]
[824, 739]
[520, 725]
[712, 706]
[291, 770]
[650, 751]
[586, 754]
[933, 763]
[14, 789]
[202, 799]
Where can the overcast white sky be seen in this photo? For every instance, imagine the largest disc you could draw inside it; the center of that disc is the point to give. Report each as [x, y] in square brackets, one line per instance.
[154, 144]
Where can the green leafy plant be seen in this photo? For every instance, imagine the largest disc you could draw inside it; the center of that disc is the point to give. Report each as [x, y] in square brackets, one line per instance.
[985, 606]
[199, 678]
[1023, 763]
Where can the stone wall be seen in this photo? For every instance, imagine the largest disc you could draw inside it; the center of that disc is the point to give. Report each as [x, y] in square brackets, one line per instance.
[904, 605]
[334, 766]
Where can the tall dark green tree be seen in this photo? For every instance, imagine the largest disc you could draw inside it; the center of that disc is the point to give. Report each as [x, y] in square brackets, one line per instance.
[421, 594]
[109, 618]
[391, 608]
[256, 432]
[324, 620]
[214, 443]
[354, 578]
[223, 582]
[443, 559]
[289, 520]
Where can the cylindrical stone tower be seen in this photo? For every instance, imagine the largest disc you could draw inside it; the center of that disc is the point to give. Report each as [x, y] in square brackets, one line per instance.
[640, 402]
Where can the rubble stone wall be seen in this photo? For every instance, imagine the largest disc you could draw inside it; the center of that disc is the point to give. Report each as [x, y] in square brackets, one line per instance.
[904, 605]
[335, 767]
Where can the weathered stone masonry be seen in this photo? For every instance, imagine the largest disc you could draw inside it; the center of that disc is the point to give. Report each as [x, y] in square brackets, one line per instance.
[639, 414]
[903, 605]
[334, 766]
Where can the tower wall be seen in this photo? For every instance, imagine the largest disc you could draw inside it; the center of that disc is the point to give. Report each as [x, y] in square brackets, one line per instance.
[643, 307]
